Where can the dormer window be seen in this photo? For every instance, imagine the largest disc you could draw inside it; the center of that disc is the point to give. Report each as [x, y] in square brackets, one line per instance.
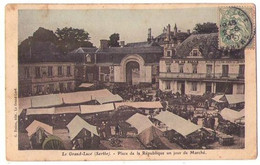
[194, 52]
[88, 58]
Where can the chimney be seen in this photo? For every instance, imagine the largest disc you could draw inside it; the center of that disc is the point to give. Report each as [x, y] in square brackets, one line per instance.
[122, 43]
[149, 35]
[188, 31]
[175, 30]
[168, 34]
[103, 44]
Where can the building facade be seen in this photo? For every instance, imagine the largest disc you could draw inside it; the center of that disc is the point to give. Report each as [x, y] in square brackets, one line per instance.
[46, 78]
[199, 67]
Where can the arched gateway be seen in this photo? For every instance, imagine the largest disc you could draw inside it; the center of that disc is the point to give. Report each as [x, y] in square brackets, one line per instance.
[132, 70]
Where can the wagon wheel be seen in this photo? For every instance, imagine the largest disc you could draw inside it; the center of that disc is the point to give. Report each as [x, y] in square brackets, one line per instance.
[52, 143]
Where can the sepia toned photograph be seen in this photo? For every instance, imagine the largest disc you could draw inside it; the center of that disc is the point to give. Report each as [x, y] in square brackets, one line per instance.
[167, 78]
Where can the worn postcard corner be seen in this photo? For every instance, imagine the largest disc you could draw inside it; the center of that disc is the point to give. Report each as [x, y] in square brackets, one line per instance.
[130, 82]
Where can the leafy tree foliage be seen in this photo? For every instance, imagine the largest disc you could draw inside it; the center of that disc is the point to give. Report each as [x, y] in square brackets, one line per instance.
[204, 28]
[113, 40]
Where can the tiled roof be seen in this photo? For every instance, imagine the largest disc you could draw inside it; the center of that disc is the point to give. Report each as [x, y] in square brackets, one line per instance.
[206, 43]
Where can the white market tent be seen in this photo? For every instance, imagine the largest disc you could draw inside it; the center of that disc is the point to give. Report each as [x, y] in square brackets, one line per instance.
[86, 85]
[177, 123]
[111, 99]
[145, 128]
[87, 109]
[234, 99]
[67, 109]
[35, 125]
[232, 115]
[84, 96]
[218, 98]
[140, 122]
[77, 124]
[24, 103]
[46, 100]
[147, 105]
[40, 111]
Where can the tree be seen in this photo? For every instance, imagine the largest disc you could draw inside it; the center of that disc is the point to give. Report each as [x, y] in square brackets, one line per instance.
[113, 40]
[204, 28]
[72, 38]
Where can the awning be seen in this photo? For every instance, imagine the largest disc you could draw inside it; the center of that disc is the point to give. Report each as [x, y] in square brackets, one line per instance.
[177, 123]
[77, 124]
[140, 122]
[86, 109]
[40, 111]
[232, 115]
[146, 105]
[35, 125]
[111, 99]
[84, 96]
[217, 98]
[67, 109]
[86, 85]
[46, 100]
[234, 99]
[24, 103]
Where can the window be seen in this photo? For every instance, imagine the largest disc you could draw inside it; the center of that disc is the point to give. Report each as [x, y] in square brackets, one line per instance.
[88, 58]
[240, 89]
[194, 86]
[168, 68]
[224, 70]
[102, 77]
[39, 89]
[51, 88]
[195, 53]
[167, 85]
[194, 68]
[50, 71]
[61, 85]
[68, 71]
[209, 70]
[241, 70]
[59, 70]
[181, 68]
[168, 53]
[69, 86]
[37, 72]
[26, 72]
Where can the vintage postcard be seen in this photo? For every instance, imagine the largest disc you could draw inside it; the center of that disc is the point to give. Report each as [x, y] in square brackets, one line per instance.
[130, 82]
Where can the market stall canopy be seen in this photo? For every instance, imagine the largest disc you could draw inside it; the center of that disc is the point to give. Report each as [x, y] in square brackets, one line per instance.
[67, 109]
[24, 103]
[217, 98]
[149, 134]
[35, 125]
[234, 99]
[84, 96]
[46, 100]
[86, 85]
[177, 123]
[111, 99]
[232, 115]
[40, 111]
[77, 124]
[86, 109]
[140, 122]
[147, 105]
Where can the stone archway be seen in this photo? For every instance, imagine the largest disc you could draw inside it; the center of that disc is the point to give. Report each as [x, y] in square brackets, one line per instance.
[136, 62]
[132, 73]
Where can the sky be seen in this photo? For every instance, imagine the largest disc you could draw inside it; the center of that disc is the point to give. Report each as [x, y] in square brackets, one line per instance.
[132, 25]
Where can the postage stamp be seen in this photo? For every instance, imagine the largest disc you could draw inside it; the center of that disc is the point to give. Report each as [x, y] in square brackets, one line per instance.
[236, 29]
[130, 82]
